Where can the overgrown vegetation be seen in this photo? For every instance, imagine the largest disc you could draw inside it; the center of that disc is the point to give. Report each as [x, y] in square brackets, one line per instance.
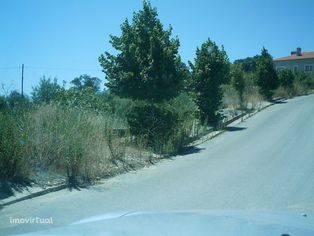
[13, 162]
[155, 106]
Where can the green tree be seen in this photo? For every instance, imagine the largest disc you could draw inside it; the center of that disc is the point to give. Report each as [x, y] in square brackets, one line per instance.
[85, 81]
[147, 66]
[249, 64]
[209, 72]
[46, 91]
[238, 82]
[267, 78]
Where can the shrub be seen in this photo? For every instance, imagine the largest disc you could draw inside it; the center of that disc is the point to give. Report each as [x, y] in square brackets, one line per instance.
[117, 135]
[166, 127]
[286, 79]
[83, 99]
[14, 165]
[282, 92]
[302, 83]
[153, 122]
[185, 128]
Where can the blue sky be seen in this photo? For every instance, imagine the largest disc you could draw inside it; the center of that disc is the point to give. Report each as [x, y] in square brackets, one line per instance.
[64, 39]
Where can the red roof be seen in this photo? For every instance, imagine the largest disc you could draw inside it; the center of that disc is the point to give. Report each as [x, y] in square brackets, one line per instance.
[304, 55]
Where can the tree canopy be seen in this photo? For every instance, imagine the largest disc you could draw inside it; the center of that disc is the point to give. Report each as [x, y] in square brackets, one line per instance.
[209, 72]
[147, 65]
[248, 64]
[267, 78]
[86, 81]
[46, 91]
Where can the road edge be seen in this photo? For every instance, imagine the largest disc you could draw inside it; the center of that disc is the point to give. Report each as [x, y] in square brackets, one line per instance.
[212, 134]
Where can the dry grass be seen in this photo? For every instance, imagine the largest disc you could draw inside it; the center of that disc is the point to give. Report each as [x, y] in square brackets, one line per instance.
[83, 146]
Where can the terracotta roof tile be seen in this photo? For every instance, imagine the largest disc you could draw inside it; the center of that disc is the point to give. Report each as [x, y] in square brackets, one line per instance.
[305, 55]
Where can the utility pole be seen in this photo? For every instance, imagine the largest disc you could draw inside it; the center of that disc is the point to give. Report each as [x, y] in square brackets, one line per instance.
[22, 79]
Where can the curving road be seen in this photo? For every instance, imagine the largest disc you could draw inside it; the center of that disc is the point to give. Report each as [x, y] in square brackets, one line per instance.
[266, 163]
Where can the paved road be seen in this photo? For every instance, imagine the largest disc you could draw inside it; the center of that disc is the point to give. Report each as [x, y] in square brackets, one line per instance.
[264, 163]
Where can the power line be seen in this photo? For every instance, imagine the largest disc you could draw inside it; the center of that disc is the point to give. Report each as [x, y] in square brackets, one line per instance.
[49, 68]
[61, 68]
[10, 68]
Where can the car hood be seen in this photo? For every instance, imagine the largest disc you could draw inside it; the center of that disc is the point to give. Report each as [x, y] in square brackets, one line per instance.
[182, 223]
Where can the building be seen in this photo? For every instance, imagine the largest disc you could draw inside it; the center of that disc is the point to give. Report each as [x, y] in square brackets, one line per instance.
[297, 61]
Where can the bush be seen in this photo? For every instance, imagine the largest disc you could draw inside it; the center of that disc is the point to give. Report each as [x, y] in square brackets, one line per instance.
[83, 99]
[119, 107]
[164, 128]
[286, 79]
[282, 92]
[186, 128]
[14, 166]
[153, 122]
[302, 83]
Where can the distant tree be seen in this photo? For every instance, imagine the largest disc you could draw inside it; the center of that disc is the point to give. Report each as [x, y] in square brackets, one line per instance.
[267, 78]
[16, 101]
[209, 72]
[86, 81]
[238, 82]
[147, 66]
[249, 64]
[46, 91]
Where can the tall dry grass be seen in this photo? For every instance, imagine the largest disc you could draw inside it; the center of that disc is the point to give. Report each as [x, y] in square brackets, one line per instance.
[75, 143]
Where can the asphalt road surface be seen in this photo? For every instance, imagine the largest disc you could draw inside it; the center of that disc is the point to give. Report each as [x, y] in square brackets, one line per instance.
[266, 163]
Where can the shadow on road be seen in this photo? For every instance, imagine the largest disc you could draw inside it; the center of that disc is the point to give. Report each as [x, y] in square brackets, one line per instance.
[233, 128]
[279, 102]
[7, 188]
[190, 150]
